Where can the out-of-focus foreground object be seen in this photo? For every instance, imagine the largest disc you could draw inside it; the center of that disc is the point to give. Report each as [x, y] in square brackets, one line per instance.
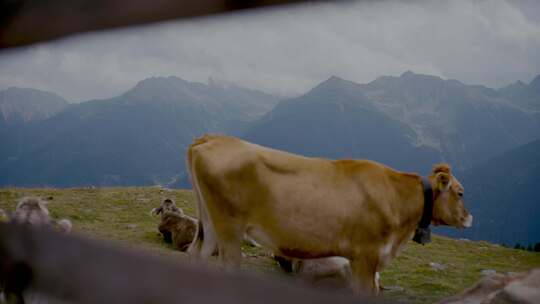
[499, 288]
[79, 270]
[24, 22]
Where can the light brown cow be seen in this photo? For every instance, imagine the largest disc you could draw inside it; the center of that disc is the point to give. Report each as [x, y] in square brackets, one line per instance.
[304, 208]
[175, 226]
[334, 272]
[33, 211]
[180, 227]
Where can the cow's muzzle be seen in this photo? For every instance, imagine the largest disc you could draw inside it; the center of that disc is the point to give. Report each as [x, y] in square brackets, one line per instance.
[468, 221]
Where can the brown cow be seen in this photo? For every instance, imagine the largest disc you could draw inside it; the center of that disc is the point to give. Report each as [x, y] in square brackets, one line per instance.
[33, 211]
[176, 227]
[332, 272]
[181, 227]
[305, 208]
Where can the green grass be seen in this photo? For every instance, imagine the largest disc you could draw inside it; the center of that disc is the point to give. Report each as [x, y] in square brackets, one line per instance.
[110, 213]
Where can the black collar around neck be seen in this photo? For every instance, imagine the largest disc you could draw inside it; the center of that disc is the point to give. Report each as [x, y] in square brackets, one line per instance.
[422, 234]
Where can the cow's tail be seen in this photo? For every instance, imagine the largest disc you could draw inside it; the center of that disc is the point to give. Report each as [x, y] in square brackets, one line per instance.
[204, 243]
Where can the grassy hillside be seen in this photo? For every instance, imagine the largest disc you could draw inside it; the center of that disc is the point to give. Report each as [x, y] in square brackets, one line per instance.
[122, 215]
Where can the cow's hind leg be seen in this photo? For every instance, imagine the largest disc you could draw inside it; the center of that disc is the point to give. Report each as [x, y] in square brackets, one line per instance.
[204, 242]
[364, 276]
[230, 238]
[194, 250]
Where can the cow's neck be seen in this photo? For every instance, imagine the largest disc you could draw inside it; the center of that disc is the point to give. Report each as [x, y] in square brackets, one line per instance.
[410, 211]
[422, 234]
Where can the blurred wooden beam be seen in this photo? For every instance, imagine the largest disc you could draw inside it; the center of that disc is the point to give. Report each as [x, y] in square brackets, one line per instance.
[25, 22]
[79, 270]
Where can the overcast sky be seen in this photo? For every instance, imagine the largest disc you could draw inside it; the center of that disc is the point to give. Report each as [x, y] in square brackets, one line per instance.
[288, 51]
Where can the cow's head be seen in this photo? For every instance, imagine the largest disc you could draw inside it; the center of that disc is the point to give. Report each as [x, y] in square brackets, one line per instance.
[32, 210]
[167, 205]
[448, 207]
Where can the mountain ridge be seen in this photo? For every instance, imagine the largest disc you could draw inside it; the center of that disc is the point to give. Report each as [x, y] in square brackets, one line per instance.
[525, 96]
[22, 105]
[126, 139]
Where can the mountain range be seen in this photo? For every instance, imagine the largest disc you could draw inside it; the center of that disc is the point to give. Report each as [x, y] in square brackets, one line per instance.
[409, 122]
[437, 120]
[467, 124]
[336, 120]
[524, 95]
[18, 106]
[137, 138]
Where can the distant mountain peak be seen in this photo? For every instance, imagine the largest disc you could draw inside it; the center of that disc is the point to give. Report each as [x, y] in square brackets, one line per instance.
[407, 73]
[17, 94]
[408, 78]
[535, 83]
[159, 80]
[518, 85]
[525, 96]
[19, 90]
[20, 105]
[334, 82]
[160, 88]
[223, 84]
[335, 78]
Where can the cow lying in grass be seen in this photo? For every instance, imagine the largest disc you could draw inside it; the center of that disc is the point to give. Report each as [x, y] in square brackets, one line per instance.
[33, 211]
[307, 208]
[176, 227]
[500, 288]
[325, 272]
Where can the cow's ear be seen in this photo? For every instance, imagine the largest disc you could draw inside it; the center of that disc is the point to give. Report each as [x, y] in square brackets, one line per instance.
[441, 168]
[443, 181]
[157, 211]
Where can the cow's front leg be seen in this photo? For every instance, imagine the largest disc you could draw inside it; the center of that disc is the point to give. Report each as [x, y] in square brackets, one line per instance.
[364, 276]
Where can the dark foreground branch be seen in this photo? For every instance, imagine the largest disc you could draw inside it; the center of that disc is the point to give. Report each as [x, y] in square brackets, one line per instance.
[28, 21]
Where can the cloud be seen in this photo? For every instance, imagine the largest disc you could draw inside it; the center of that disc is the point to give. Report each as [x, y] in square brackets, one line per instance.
[287, 51]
